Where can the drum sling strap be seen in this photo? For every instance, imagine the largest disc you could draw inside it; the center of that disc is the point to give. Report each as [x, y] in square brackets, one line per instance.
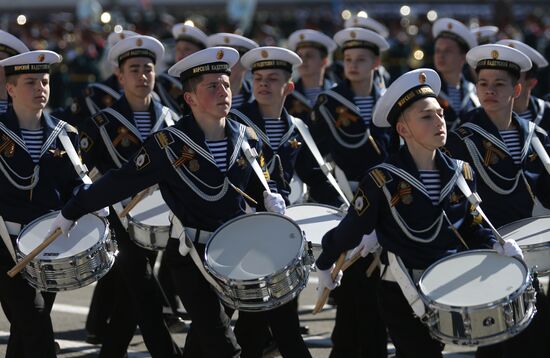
[6, 238]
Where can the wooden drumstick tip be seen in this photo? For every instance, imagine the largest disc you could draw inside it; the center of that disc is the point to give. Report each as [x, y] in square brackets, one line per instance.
[324, 296]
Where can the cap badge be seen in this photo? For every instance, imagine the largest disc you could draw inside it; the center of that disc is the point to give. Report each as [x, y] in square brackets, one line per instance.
[184, 29]
[449, 26]
[494, 54]
[422, 78]
[511, 45]
[219, 54]
[264, 54]
[302, 37]
[139, 42]
[226, 40]
[355, 21]
[353, 34]
[41, 58]
[122, 36]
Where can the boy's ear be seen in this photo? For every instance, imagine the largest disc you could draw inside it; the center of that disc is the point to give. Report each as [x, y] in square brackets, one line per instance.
[517, 90]
[189, 99]
[290, 86]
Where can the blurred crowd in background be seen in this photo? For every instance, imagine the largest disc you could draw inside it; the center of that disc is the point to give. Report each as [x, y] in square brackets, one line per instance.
[80, 33]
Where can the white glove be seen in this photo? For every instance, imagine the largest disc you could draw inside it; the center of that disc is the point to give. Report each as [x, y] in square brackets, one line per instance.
[510, 248]
[325, 280]
[103, 212]
[61, 222]
[274, 203]
[369, 243]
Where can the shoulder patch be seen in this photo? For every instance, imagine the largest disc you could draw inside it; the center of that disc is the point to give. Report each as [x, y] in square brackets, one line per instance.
[360, 202]
[164, 139]
[142, 159]
[463, 133]
[251, 133]
[86, 143]
[467, 171]
[378, 176]
[100, 119]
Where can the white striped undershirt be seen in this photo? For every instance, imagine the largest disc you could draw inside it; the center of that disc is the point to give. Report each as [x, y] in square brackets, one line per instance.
[365, 105]
[143, 123]
[432, 183]
[218, 148]
[3, 106]
[33, 139]
[237, 100]
[513, 142]
[526, 115]
[275, 129]
[312, 94]
[455, 97]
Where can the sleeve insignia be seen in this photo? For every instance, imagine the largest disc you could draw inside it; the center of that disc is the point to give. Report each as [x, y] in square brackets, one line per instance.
[86, 142]
[463, 132]
[142, 159]
[467, 171]
[107, 101]
[360, 202]
[100, 119]
[164, 139]
[492, 154]
[7, 148]
[251, 133]
[378, 176]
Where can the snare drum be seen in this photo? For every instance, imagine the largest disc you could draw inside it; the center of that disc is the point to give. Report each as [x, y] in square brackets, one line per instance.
[259, 260]
[149, 222]
[315, 220]
[533, 236]
[70, 262]
[477, 298]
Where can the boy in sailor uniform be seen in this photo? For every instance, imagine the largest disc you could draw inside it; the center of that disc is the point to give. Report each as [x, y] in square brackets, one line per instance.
[342, 128]
[271, 82]
[526, 105]
[241, 89]
[9, 46]
[36, 178]
[411, 206]
[203, 165]
[452, 40]
[109, 139]
[501, 146]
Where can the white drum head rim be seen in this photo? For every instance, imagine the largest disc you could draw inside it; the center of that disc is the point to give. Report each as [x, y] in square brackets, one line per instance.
[444, 283]
[315, 220]
[253, 255]
[530, 232]
[151, 211]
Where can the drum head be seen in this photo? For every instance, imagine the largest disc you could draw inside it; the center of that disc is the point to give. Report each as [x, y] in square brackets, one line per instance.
[315, 220]
[253, 246]
[87, 232]
[529, 231]
[473, 278]
[151, 211]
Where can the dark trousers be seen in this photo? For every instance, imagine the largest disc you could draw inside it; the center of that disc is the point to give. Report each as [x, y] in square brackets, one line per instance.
[28, 311]
[138, 302]
[210, 334]
[358, 330]
[165, 279]
[533, 342]
[102, 304]
[252, 331]
[409, 335]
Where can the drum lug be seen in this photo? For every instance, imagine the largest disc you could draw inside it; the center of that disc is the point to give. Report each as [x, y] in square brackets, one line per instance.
[112, 246]
[509, 314]
[308, 258]
[531, 294]
[467, 325]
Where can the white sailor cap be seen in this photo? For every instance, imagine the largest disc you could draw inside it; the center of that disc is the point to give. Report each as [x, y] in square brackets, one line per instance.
[357, 37]
[210, 60]
[404, 91]
[269, 57]
[536, 57]
[30, 62]
[184, 32]
[498, 57]
[11, 44]
[484, 32]
[238, 42]
[367, 23]
[311, 38]
[115, 37]
[456, 30]
[136, 46]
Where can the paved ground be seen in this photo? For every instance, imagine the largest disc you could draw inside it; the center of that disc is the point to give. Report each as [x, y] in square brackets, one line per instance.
[69, 315]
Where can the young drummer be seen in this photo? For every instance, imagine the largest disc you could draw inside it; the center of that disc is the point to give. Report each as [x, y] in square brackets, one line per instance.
[512, 174]
[36, 178]
[202, 167]
[452, 40]
[271, 82]
[109, 139]
[9, 46]
[526, 105]
[415, 206]
[241, 88]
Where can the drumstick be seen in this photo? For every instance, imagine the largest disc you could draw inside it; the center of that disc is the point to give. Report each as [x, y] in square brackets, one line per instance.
[324, 296]
[243, 194]
[135, 200]
[357, 256]
[37, 250]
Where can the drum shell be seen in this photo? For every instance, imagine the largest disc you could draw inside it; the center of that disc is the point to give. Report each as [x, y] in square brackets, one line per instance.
[144, 233]
[82, 269]
[266, 292]
[482, 324]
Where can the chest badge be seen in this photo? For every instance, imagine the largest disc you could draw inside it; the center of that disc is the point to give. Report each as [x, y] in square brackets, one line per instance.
[7, 148]
[187, 154]
[492, 154]
[124, 138]
[194, 165]
[298, 107]
[345, 118]
[403, 194]
[294, 143]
